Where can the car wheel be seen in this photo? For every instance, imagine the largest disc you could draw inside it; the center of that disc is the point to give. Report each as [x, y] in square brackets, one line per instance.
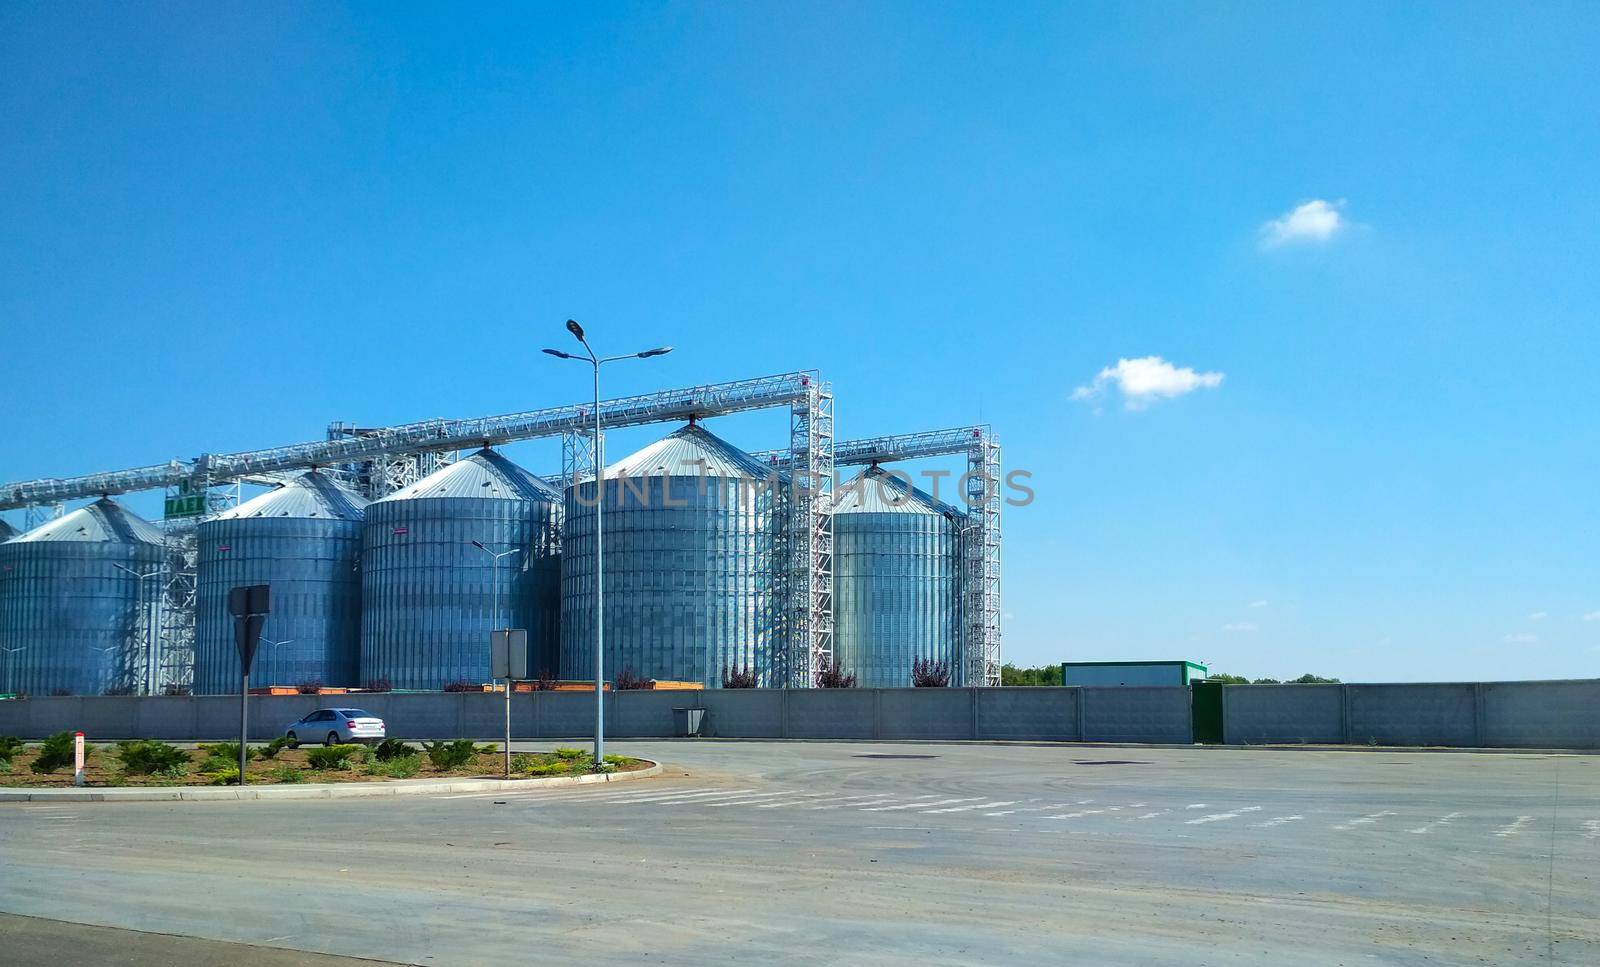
[294, 741]
[333, 739]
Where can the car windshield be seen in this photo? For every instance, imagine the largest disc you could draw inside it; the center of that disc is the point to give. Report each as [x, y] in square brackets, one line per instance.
[355, 713]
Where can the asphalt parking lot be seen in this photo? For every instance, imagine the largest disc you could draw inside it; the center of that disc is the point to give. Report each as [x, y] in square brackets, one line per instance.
[868, 853]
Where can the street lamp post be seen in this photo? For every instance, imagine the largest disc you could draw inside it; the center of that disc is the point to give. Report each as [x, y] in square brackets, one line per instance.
[501, 621]
[153, 644]
[600, 498]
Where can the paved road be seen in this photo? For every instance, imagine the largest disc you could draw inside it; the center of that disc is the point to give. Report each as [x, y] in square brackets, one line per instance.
[927, 854]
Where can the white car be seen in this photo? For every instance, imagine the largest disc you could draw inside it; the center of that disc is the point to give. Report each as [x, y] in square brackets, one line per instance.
[335, 726]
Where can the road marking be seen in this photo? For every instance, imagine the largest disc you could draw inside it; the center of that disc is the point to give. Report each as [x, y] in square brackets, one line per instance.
[1515, 827]
[1153, 815]
[1366, 820]
[914, 805]
[815, 797]
[873, 802]
[1591, 829]
[1040, 809]
[1219, 817]
[762, 797]
[1195, 805]
[677, 797]
[1276, 821]
[640, 793]
[1441, 821]
[1080, 813]
[981, 805]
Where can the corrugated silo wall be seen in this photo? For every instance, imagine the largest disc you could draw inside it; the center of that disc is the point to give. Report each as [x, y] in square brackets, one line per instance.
[895, 595]
[312, 567]
[70, 618]
[688, 579]
[428, 595]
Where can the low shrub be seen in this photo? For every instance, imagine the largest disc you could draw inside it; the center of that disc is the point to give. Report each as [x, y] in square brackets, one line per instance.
[930, 673]
[334, 757]
[615, 760]
[308, 687]
[175, 690]
[450, 755]
[57, 752]
[489, 749]
[399, 767]
[544, 768]
[219, 763]
[546, 682]
[287, 774]
[832, 676]
[392, 749]
[226, 750]
[378, 685]
[147, 757]
[571, 753]
[225, 777]
[629, 680]
[271, 749]
[10, 745]
[463, 686]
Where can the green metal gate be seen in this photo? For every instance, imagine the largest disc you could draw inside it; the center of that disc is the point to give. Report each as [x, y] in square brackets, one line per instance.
[1206, 707]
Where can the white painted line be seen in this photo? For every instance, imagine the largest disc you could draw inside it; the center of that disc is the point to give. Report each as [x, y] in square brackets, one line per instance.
[874, 802]
[814, 797]
[1153, 815]
[915, 805]
[1219, 817]
[641, 793]
[762, 797]
[981, 805]
[1195, 805]
[1043, 809]
[1515, 827]
[1591, 829]
[1441, 821]
[1366, 820]
[677, 797]
[1079, 814]
[1276, 821]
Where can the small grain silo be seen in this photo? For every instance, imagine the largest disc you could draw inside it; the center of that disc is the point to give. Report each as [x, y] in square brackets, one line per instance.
[304, 541]
[688, 564]
[896, 594]
[76, 617]
[428, 592]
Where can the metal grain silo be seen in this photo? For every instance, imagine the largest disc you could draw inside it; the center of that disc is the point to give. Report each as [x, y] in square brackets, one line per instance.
[6, 531]
[428, 594]
[304, 540]
[688, 564]
[74, 615]
[896, 595]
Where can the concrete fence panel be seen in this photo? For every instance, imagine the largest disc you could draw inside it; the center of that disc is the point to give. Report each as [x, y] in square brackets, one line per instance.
[568, 715]
[830, 713]
[925, 713]
[1136, 713]
[1027, 714]
[743, 713]
[1280, 714]
[641, 714]
[1557, 715]
[1432, 713]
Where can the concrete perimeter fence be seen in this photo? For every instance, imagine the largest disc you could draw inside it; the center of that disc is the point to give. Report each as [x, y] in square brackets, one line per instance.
[1562, 714]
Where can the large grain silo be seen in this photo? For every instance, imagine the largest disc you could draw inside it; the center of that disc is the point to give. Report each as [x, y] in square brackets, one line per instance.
[75, 615]
[304, 541]
[688, 564]
[428, 593]
[896, 596]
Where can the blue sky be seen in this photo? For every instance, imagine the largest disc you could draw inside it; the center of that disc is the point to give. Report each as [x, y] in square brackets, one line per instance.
[224, 225]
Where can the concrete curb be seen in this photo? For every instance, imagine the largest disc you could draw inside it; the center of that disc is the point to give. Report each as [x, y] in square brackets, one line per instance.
[341, 790]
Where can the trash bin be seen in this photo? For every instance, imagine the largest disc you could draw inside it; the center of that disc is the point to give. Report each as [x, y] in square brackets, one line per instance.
[688, 720]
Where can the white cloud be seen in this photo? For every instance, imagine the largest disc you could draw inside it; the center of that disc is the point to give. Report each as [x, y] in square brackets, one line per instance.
[1314, 221]
[1521, 638]
[1538, 616]
[1592, 616]
[1144, 381]
[1244, 627]
[1258, 604]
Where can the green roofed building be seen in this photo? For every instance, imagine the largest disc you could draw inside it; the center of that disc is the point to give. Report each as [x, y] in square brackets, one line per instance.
[1131, 672]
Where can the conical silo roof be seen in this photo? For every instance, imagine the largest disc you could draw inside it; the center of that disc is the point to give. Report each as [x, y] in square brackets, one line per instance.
[102, 522]
[310, 495]
[6, 531]
[877, 491]
[683, 452]
[484, 474]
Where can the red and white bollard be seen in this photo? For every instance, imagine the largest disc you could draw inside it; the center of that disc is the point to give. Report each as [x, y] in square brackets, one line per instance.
[77, 758]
